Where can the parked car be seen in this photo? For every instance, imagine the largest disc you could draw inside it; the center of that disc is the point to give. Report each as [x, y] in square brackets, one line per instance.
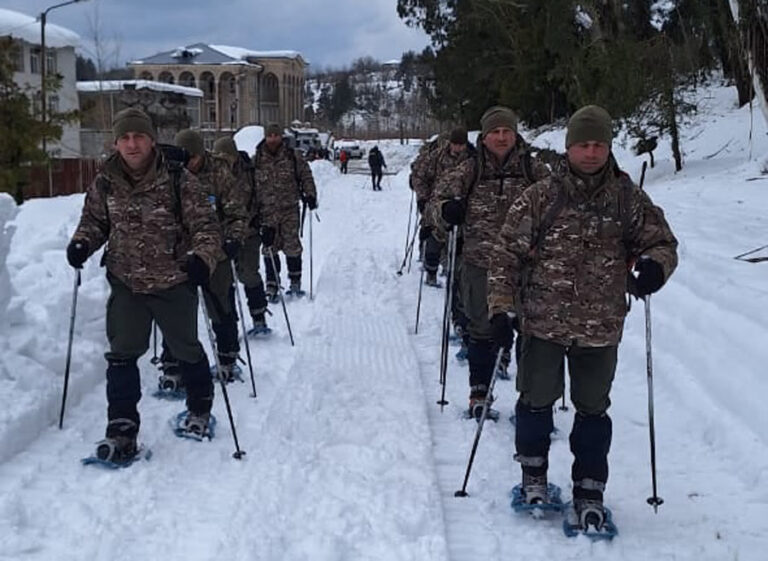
[352, 148]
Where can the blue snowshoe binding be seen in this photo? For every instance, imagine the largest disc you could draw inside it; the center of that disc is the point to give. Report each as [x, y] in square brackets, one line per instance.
[194, 427]
[538, 506]
[590, 519]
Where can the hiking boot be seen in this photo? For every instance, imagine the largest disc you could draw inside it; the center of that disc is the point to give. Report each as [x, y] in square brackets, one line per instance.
[431, 279]
[196, 424]
[478, 396]
[535, 488]
[503, 372]
[259, 325]
[228, 373]
[295, 288]
[589, 513]
[271, 293]
[120, 442]
[170, 382]
[588, 503]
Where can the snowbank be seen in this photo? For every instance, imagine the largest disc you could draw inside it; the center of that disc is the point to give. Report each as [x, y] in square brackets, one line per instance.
[8, 211]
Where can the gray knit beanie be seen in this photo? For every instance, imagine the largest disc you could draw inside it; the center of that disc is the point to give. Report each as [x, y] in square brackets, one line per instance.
[589, 124]
[132, 120]
[191, 141]
[498, 116]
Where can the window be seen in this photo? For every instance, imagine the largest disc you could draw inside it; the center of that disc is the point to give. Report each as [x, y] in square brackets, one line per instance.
[50, 62]
[34, 60]
[53, 104]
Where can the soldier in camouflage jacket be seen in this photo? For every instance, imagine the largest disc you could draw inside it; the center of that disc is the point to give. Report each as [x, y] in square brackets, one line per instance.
[159, 233]
[561, 264]
[249, 258]
[476, 195]
[229, 198]
[283, 179]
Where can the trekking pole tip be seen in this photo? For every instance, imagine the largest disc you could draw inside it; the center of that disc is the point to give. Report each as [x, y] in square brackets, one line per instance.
[238, 455]
[655, 502]
[461, 493]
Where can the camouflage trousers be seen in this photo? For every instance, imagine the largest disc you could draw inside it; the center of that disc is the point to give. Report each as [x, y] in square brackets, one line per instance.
[540, 378]
[219, 297]
[286, 227]
[474, 297]
[248, 263]
[129, 324]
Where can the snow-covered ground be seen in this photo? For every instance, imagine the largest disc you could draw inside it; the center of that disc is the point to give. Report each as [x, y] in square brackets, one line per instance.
[348, 456]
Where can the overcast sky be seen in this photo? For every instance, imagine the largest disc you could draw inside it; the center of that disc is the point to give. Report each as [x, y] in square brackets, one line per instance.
[326, 32]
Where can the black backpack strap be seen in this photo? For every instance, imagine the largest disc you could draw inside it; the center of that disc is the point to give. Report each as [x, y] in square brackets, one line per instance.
[527, 167]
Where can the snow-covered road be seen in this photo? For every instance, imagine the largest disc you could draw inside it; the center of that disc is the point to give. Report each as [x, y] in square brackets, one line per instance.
[348, 454]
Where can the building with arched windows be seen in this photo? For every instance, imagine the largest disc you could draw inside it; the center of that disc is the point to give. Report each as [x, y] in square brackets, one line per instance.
[240, 86]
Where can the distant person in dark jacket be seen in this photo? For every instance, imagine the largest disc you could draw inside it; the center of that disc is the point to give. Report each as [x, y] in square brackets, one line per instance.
[376, 163]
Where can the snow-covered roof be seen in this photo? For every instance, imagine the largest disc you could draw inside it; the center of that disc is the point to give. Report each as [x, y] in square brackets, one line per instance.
[116, 85]
[27, 28]
[241, 53]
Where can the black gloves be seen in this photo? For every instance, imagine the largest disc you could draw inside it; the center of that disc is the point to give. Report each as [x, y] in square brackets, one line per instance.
[197, 270]
[311, 202]
[424, 233]
[421, 204]
[267, 236]
[650, 276]
[502, 330]
[77, 253]
[453, 212]
[232, 248]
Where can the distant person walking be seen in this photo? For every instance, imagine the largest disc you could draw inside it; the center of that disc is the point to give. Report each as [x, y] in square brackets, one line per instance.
[376, 163]
[344, 159]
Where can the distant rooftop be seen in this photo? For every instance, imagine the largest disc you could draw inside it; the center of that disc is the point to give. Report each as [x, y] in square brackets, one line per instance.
[22, 26]
[202, 53]
[119, 85]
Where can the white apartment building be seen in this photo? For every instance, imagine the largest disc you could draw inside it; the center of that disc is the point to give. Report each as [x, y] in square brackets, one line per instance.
[60, 46]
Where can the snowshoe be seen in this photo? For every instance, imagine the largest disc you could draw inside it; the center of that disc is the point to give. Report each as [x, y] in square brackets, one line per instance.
[591, 519]
[194, 427]
[295, 291]
[170, 387]
[548, 499]
[112, 459]
[476, 413]
[229, 373]
[259, 327]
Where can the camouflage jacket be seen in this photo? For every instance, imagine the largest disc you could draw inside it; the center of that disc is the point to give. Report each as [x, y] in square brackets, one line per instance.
[571, 288]
[148, 229]
[229, 193]
[431, 163]
[282, 179]
[488, 188]
[242, 169]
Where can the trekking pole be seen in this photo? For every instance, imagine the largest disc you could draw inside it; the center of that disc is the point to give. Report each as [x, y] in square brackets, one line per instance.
[410, 216]
[642, 175]
[242, 322]
[238, 454]
[655, 501]
[155, 359]
[409, 250]
[280, 292]
[311, 296]
[407, 234]
[69, 347]
[418, 302]
[446, 316]
[463, 491]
